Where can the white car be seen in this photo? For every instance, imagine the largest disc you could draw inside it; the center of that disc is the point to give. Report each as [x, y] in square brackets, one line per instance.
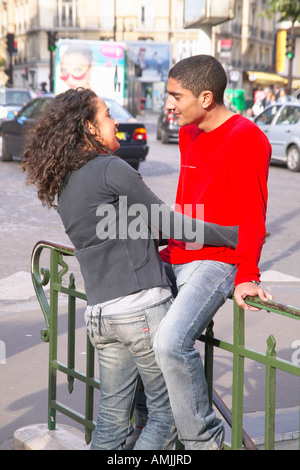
[13, 99]
[281, 124]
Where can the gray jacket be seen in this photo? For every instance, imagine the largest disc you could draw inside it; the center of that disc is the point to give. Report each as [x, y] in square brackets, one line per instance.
[107, 212]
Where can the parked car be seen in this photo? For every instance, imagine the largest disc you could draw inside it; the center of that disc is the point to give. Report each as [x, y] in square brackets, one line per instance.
[167, 127]
[132, 134]
[13, 99]
[13, 129]
[281, 124]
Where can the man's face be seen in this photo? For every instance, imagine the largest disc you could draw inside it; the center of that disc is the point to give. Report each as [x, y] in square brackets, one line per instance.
[186, 107]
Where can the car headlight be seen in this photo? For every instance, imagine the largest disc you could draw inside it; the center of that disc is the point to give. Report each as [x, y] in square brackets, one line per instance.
[3, 112]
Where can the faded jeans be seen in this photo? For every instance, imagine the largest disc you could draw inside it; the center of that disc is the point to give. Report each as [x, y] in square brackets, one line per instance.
[124, 343]
[203, 286]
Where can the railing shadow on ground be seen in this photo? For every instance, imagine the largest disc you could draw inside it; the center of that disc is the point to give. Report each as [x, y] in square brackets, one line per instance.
[54, 276]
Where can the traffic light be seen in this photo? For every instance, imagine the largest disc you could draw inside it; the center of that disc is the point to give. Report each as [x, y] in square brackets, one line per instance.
[11, 43]
[290, 47]
[52, 40]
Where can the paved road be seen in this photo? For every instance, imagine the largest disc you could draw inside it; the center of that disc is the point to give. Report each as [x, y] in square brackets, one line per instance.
[23, 221]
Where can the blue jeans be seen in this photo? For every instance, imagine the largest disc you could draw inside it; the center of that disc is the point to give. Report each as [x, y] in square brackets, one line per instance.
[203, 286]
[124, 343]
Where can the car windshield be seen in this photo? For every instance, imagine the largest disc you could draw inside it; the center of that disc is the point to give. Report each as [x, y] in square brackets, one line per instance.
[11, 97]
[117, 111]
[34, 109]
[289, 115]
[267, 116]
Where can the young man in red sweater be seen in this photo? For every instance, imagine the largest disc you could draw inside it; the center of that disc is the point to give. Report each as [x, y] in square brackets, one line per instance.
[224, 167]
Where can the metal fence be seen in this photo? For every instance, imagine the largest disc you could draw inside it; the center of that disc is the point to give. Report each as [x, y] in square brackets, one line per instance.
[54, 276]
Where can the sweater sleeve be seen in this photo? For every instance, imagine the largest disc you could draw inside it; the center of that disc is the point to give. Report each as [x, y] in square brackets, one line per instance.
[252, 157]
[123, 181]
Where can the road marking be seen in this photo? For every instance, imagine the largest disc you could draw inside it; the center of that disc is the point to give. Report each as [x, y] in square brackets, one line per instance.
[276, 276]
[19, 285]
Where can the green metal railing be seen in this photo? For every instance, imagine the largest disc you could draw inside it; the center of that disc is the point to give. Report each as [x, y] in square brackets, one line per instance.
[54, 277]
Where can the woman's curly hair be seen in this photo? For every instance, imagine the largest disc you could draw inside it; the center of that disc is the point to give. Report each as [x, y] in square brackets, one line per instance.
[60, 142]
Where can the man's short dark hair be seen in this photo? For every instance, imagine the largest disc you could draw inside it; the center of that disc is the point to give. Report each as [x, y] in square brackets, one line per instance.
[199, 73]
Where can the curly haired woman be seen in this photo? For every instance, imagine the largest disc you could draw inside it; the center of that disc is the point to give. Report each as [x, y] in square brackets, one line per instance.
[69, 156]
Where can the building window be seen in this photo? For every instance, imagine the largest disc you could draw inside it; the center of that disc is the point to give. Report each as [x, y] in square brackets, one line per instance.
[108, 15]
[67, 13]
[143, 15]
[146, 16]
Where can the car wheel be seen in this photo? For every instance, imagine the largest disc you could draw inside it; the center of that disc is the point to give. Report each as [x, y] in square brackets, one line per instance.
[164, 137]
[158, 133]
[293, 158]
[5, 157]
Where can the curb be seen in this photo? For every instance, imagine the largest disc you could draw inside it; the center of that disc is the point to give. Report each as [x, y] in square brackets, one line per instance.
[38, 437]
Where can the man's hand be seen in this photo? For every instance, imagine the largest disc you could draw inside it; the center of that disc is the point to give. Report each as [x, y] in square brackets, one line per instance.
[249, 288]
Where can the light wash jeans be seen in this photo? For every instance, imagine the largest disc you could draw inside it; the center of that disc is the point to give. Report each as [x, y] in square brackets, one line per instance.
[203, 286]
[124, 343]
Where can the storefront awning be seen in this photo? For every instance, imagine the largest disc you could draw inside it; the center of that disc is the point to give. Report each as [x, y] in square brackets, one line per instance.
[296, 83]
[264, 78]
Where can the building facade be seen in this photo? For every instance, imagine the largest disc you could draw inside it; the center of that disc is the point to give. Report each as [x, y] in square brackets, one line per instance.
[245, 45]
[132, 20]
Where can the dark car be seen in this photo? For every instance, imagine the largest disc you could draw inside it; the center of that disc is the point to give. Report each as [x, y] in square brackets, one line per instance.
[14, 128]
[13, 99]
[131, 133]
[167, 127]
[281, 124]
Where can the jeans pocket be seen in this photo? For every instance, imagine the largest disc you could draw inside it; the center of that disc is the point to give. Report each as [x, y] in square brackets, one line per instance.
[133, 332]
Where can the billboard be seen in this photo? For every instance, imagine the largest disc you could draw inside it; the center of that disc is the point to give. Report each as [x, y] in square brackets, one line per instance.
[99, 65]
[153, 58]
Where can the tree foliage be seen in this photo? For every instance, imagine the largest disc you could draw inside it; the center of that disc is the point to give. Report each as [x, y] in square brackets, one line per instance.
[289, 10]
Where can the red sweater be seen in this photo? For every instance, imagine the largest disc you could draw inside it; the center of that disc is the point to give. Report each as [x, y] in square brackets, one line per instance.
[226, 170]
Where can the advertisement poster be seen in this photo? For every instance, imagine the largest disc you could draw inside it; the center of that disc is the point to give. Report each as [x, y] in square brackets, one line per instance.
[153, 58]
[98, 65]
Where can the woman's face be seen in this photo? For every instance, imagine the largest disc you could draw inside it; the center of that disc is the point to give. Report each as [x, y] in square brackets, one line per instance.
[75, 70]
[105, 127]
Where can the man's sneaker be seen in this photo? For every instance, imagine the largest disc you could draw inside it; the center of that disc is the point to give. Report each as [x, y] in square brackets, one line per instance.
[133, 437]
[135, 432]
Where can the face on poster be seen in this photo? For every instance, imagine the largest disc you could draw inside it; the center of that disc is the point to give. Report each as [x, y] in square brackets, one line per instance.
[90, 64]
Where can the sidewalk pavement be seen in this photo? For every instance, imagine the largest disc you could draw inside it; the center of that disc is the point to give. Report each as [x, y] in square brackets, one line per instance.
[24, 375]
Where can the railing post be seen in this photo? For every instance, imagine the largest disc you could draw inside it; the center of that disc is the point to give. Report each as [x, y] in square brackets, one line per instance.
[270, 395]
[52, 339]
[238, 377]
[209, 360]
[89, 394]
[71, 332]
